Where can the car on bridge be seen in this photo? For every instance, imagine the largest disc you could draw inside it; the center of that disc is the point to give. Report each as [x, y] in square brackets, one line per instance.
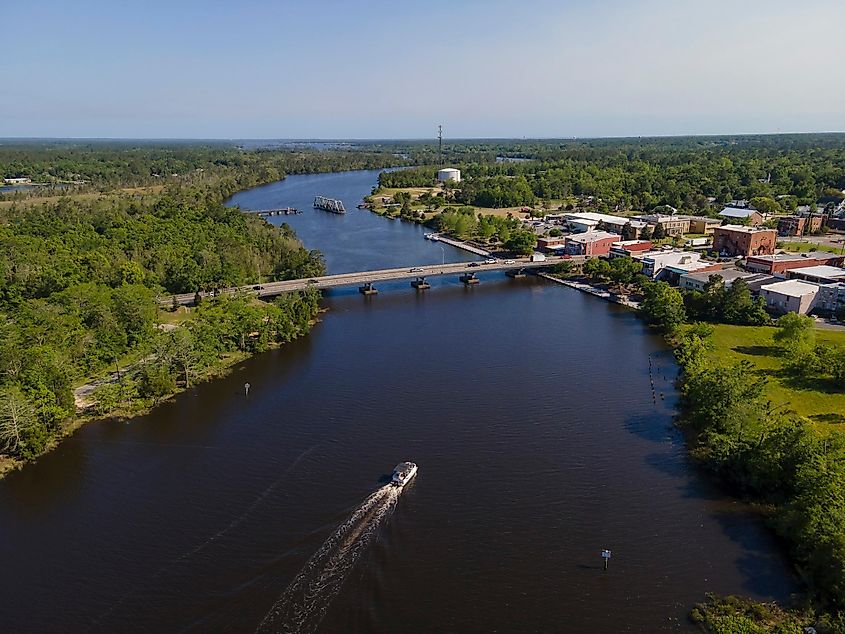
[490, 261]
[258, 288]
[472, 265]
[416, 269]
[510, 261]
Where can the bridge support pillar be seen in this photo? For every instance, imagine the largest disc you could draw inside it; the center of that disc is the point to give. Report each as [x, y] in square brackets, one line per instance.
[368, 289]
[515, 273]
[420, 284]
[469, 278]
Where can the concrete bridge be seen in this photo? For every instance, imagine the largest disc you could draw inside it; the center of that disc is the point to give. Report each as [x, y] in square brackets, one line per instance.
[367, 279]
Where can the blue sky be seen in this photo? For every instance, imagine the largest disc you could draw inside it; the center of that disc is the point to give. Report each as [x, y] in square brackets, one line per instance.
[333, 69]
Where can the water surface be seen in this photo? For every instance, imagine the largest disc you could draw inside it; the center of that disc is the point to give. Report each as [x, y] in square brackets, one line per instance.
[528, 407]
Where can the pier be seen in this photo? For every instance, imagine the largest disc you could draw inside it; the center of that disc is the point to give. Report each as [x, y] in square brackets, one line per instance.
[329, 204]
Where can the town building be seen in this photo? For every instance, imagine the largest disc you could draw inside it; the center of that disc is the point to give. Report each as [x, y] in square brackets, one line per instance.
[703, 225]
[584, 221]
[449, 174]
[831, 299]
[672, 225]
[697, 280]
[800, 225]
[17, 181]
[790, 296]
[551, 243]
[820, 274]
[591, 244]
[745, 214]
[744, 241]
[780, 263]
[669, 266]
[627, 248]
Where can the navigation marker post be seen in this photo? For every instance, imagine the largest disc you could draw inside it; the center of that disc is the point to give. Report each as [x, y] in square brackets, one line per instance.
[605, 554]
[246, 388]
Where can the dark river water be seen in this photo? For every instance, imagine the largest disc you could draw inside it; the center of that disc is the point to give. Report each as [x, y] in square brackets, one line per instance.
[527, 406]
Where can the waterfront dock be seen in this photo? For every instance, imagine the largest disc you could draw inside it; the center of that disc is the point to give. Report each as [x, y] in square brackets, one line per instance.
[592, 290]
[460, 245]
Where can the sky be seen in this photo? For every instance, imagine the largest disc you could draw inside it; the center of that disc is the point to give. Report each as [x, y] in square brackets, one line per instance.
[374, 70]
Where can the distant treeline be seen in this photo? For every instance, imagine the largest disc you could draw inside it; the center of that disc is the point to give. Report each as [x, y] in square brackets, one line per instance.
[106, 165]
[641, 174]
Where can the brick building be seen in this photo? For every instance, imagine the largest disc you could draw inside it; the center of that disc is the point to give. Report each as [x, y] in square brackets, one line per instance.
[591, 244]
[782, 262]
[744, 241]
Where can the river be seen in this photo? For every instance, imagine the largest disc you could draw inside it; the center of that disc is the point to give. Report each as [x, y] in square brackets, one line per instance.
[527, 406]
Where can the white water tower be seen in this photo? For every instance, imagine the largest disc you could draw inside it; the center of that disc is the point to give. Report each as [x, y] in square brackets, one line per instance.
[449, 174]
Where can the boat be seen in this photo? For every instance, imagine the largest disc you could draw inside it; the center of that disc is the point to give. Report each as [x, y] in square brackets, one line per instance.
[403, 473]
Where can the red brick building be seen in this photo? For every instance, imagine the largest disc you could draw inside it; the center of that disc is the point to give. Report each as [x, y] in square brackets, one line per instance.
[800, 225]
[591, 244]
[782, 262]
[744, 241]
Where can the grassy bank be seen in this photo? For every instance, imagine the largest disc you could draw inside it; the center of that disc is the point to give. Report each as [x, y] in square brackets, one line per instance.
[815, 400]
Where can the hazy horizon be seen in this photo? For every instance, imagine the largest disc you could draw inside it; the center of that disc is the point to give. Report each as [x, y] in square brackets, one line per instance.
[484, 70]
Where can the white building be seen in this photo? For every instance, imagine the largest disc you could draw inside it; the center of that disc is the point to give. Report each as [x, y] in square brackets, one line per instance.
[584, 221]
[696, 281]
[790, 296]
[449, 174]
[676, 262]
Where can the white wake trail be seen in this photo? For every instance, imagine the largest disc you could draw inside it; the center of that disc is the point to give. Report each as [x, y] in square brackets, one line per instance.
[302, 605]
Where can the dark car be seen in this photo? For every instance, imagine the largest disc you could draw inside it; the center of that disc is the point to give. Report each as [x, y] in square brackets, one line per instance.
[312, 281]
[258, 288]
[472, 265]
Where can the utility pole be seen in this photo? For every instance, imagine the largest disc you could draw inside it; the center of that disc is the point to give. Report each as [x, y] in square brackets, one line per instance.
[440, 145]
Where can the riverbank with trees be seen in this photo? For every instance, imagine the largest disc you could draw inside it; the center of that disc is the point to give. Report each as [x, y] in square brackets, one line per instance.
[81, 279]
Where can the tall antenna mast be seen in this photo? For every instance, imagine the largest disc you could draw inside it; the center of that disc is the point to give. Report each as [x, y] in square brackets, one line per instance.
[440, 145]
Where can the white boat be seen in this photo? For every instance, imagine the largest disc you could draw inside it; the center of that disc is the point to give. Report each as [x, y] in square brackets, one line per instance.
[403, 473]
[431, 236]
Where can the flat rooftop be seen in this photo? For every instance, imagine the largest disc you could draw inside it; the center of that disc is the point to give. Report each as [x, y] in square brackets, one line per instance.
[822, 270]
[791, 257]
[792, 288]
[742, 229]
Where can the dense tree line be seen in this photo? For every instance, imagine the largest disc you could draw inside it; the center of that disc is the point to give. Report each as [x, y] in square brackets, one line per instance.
[219, 166]
[79, 282]
[779, 171]
[768, 453]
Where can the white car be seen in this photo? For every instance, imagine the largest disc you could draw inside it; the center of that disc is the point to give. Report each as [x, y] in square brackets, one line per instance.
[490, 261]
[510, 261]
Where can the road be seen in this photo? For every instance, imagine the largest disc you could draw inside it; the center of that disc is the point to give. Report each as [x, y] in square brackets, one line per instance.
[271, 289]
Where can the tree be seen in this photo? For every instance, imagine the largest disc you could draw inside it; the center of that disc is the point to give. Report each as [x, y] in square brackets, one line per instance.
[17, 422]
[628, 232]
[521, 242]
[663, 306]
[659, 232]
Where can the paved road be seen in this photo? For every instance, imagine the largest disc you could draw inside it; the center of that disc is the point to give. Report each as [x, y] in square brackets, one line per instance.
[271, 289]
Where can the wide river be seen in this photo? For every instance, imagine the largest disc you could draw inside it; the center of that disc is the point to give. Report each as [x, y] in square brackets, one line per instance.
[528, 407]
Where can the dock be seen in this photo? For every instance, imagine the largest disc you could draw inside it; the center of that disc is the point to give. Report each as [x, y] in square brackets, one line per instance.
[459, 244]
[592, 290]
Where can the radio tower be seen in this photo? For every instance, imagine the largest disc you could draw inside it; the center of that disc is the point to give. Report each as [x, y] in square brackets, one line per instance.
[440, 145]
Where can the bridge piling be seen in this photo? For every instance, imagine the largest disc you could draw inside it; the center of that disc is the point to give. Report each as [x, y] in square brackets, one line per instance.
[368, 289]
[469, 278]
[420, 284]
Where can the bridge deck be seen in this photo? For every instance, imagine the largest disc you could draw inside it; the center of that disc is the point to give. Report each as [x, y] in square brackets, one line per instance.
[271, 289]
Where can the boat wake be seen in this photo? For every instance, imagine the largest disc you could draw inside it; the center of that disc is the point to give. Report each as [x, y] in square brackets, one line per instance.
[304, 602]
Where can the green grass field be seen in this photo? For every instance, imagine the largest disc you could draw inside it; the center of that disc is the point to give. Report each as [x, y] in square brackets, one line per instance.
[818, 401]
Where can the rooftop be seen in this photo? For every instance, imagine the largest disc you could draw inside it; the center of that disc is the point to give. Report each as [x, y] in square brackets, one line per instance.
[791, 257]
[593, 236]
[738, 212]
[728, 275]
[822, 270]
[792, 288]
[742, 229]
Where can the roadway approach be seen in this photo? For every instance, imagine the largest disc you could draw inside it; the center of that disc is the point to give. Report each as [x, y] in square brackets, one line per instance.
[272, 289]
